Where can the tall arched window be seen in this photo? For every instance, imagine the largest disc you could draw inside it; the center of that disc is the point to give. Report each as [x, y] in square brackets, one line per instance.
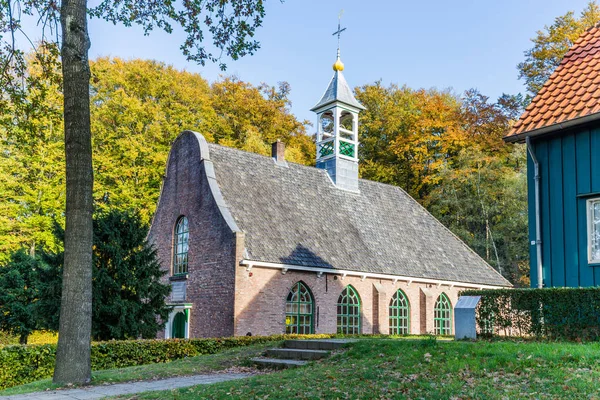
[348, 312]
[180, 247]
[442, 315]
[399, 314]
[299, 308]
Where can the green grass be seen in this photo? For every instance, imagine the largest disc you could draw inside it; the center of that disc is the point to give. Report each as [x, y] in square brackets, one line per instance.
[428, 369]
[188, 366]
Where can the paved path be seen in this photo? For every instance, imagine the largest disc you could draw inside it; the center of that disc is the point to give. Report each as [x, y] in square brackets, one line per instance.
[98, 392]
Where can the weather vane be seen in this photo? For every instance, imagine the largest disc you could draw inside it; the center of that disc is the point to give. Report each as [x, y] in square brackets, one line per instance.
[339, 31]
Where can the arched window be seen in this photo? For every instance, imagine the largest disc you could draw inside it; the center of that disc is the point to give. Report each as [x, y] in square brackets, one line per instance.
[299, 308]
[348, 312]
[180, 247]
[399, 314]
[442, 315]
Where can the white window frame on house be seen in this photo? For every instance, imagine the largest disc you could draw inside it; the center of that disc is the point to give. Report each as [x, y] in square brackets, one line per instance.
[593, 230]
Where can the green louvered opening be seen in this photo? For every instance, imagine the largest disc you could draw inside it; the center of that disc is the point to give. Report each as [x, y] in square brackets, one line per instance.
[347, 149]
[326, 149]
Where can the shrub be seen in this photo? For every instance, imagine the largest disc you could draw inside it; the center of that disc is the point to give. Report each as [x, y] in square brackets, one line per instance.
[553, 313]
[23, 364]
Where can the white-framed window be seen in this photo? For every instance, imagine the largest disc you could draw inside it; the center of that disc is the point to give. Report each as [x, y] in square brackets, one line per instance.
[593, 229]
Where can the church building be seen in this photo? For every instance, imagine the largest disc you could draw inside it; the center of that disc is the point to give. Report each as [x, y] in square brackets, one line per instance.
[258, 245]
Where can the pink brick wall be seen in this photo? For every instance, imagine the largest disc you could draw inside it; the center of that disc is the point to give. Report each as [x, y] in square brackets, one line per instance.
[260, 301]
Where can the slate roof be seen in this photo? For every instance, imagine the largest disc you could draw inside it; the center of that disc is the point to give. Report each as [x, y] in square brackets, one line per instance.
[295, 215]
[571, 92]
[338, 90]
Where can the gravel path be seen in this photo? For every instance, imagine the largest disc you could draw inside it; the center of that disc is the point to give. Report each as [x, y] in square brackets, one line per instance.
[98, 392]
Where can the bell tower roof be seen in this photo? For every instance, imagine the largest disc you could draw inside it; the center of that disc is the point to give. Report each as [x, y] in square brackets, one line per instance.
[338, 90]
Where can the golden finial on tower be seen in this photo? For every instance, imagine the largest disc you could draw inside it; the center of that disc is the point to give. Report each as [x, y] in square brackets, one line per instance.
[339, 65]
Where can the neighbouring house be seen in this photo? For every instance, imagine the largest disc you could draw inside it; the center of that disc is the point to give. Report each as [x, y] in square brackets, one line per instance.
[561, 127]
[258, 245]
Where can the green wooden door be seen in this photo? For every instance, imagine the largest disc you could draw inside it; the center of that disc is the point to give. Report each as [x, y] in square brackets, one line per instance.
[179, 326]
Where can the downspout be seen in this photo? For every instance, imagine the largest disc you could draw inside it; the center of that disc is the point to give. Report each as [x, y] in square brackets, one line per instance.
[538, 222]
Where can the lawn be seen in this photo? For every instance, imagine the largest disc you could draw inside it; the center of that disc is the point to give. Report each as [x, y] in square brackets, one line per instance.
[427, 369]
[227, 359]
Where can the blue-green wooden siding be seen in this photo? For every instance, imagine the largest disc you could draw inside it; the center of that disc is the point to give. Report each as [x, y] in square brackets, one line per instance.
[570, 174]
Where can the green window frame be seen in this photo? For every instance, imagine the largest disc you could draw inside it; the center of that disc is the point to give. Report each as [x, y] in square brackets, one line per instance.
[399, 316]
[181, 246]
[348, 312]
[442, 315]
[299, 310]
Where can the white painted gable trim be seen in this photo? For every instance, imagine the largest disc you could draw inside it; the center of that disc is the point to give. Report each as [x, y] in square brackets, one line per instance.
[248, 264]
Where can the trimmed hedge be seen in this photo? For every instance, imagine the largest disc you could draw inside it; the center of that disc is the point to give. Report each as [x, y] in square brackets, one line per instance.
[24, 364]
[553, 313]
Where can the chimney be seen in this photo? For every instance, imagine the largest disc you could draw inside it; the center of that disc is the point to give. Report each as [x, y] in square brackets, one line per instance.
[277, 152]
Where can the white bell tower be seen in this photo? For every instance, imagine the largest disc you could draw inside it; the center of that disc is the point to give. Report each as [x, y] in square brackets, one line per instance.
[337, 129]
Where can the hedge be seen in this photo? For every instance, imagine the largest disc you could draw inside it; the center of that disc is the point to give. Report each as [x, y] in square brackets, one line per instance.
[553, 313]
[24, 364]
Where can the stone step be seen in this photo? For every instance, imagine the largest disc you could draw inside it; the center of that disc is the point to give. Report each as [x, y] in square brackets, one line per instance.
[318, 344]
[277, 363]
[297, 354]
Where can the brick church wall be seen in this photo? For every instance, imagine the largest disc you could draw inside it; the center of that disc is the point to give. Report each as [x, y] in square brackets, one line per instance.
[261, 296]
[212, 244]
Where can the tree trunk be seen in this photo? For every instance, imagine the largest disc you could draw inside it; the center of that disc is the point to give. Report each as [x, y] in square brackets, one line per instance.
[74, 340]
[23, 338]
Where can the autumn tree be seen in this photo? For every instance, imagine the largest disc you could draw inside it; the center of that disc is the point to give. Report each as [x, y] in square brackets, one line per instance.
[230, 25]
[138, 108]
[486, 122]
[482, 198]
[252, 118]
[552, 43]
[32, 157]
[407, 135]
[447, 152]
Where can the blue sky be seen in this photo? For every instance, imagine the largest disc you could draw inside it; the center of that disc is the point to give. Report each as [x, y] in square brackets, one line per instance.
[456, 44]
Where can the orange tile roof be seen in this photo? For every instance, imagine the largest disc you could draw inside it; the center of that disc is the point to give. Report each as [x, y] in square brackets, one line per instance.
[571, 92]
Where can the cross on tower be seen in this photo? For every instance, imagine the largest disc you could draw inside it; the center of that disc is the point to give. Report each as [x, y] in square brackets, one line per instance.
[339, 31]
